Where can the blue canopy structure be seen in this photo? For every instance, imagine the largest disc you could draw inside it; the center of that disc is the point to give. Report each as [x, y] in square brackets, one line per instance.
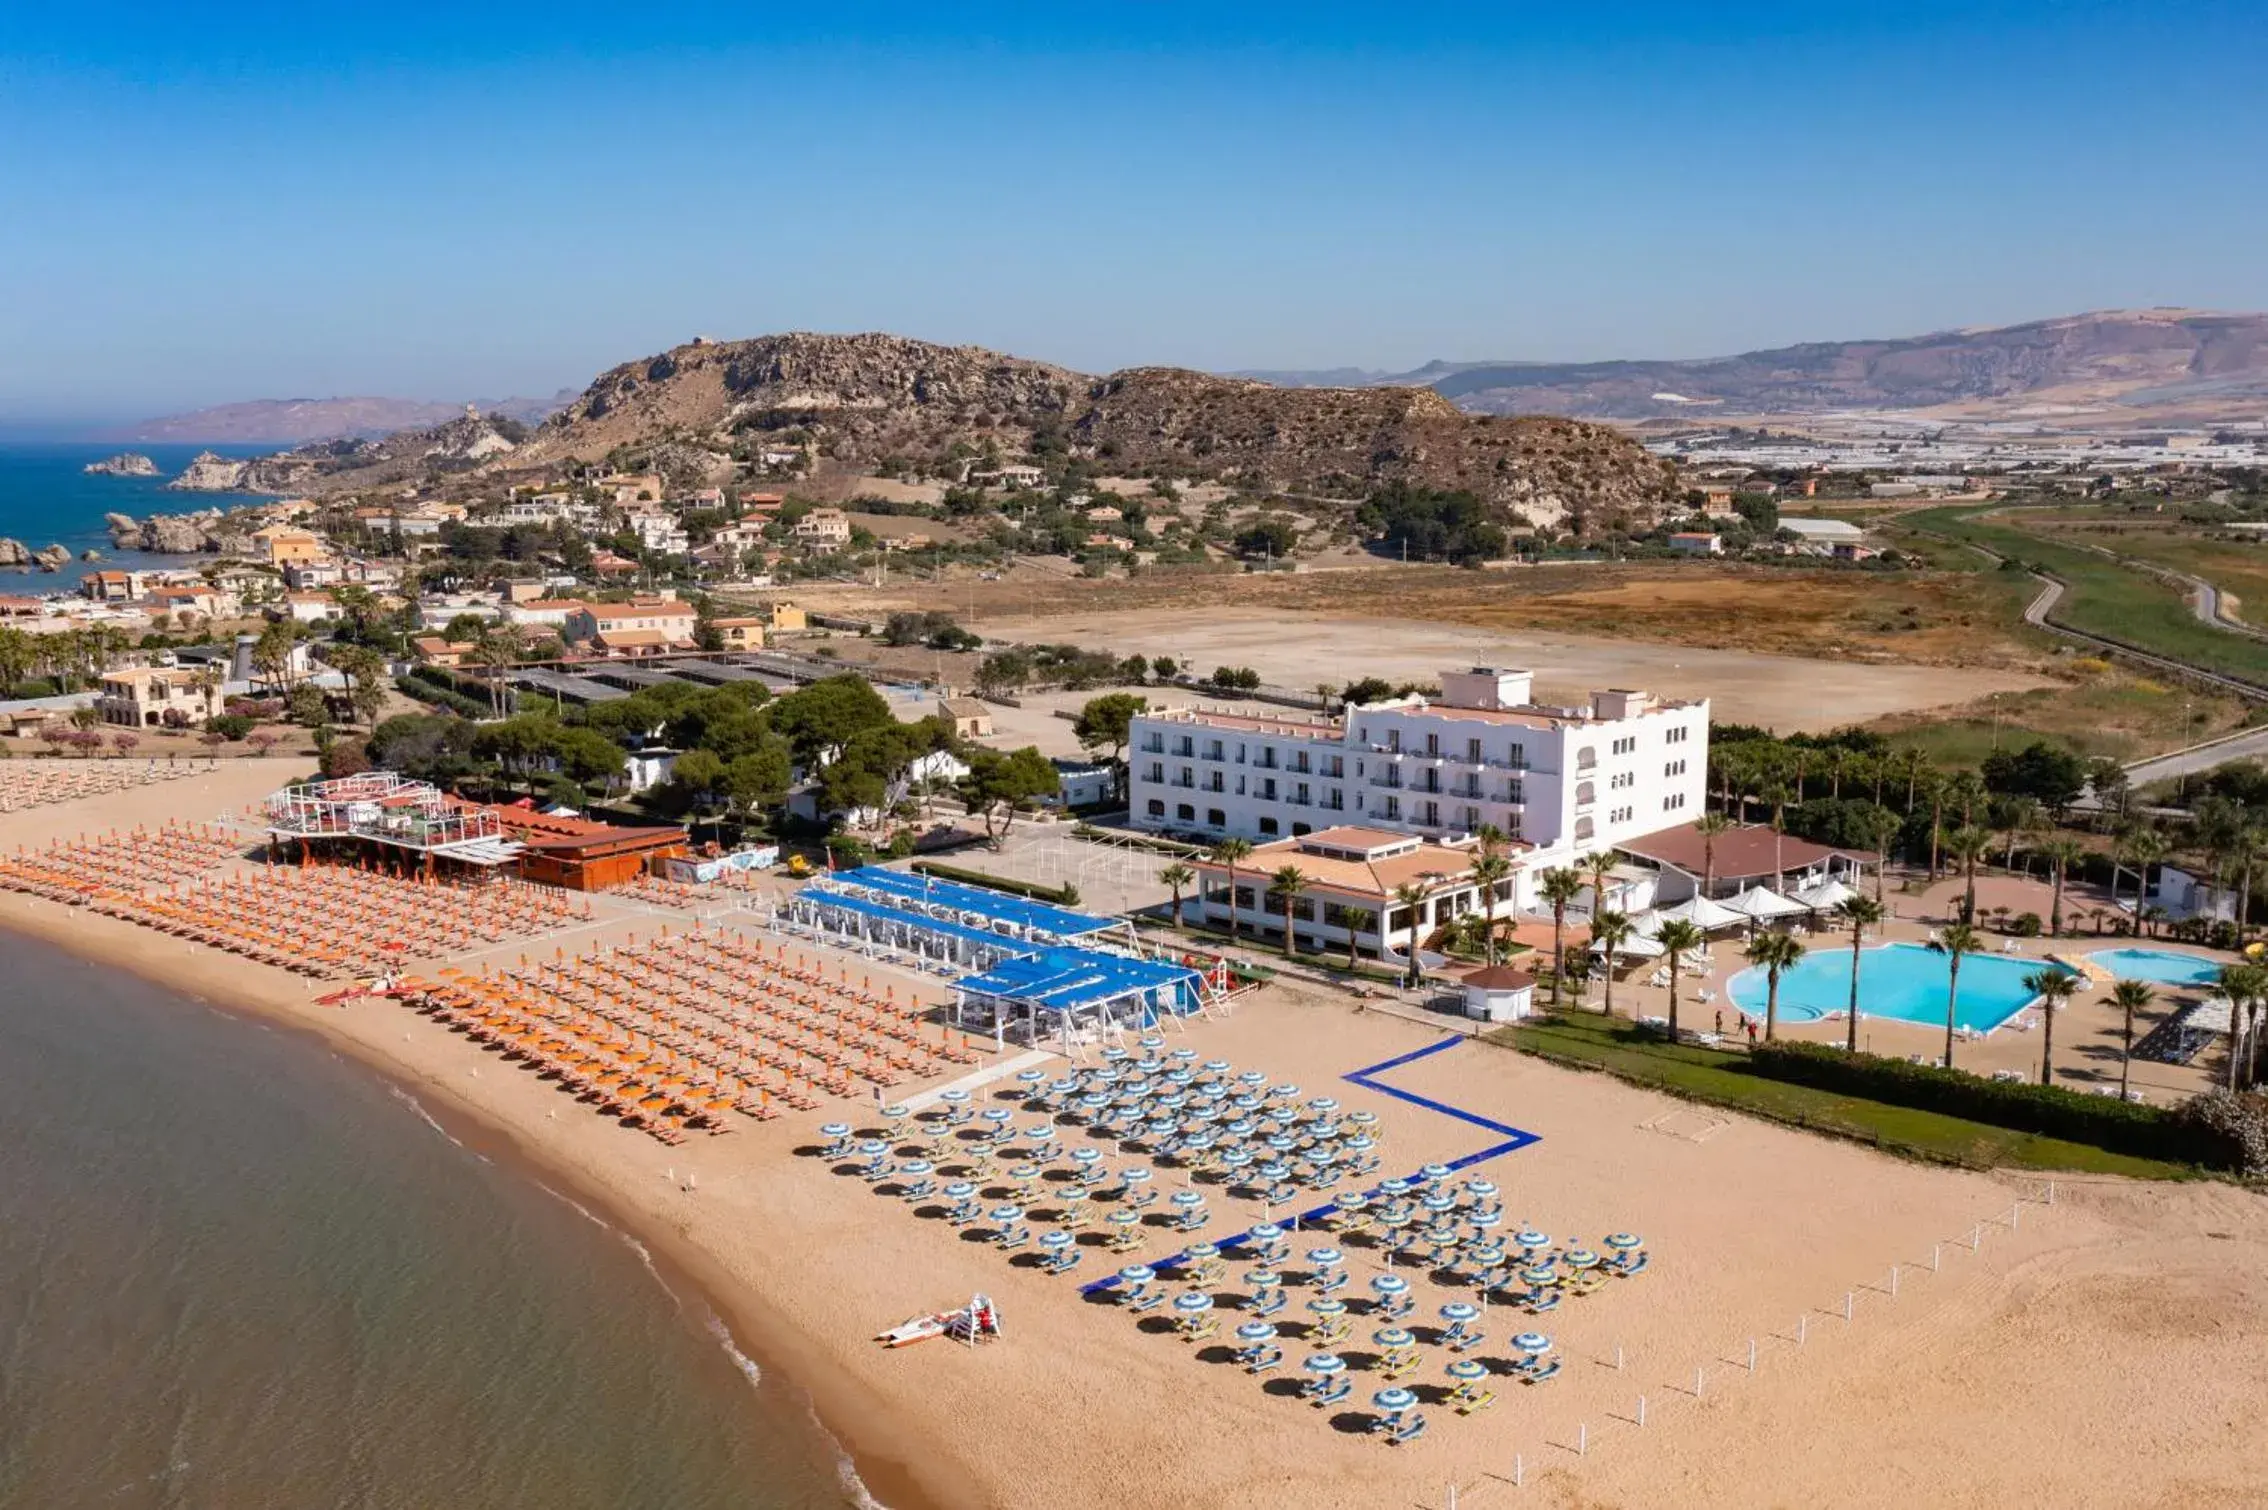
[1063, 990]
[973, 906]
[935, 942]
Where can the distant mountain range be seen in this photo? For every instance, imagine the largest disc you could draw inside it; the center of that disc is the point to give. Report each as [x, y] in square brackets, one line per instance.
[299, 421]
[2130, 366]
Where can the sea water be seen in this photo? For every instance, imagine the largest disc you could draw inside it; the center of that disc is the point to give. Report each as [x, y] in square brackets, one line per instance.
[237, 1270]
[47, 497]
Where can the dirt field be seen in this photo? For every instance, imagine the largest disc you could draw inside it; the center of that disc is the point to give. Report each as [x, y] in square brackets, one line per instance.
[1305, 650]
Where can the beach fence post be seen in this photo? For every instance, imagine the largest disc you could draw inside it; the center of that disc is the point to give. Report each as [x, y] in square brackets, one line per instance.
[1893, 1281]
[1752, 1355]
[1802, 1324]
[1618, 1357]
[1976, 1237]
[2015, 1214]
[1846, 1305]
[1641, 1410]
[1582, 1438]
[1452, 1497]
[1519, 1469]
[1697, 1383]
[2051, 1193]
[1933, 1247]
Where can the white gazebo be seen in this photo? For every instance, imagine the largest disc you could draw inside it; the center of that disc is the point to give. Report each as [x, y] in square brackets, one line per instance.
[1705, 914]
[1761, 904]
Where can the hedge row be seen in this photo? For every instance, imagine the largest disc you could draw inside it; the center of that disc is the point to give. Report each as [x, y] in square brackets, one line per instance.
[433, 694]
[1061, 896]
[2127, 1127]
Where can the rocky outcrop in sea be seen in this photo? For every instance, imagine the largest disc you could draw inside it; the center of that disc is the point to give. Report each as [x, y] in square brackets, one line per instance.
[166, 534]
[14, 553]
[124, 464]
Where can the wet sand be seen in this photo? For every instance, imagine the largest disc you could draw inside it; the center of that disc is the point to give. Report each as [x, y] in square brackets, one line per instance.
[2102, 1351]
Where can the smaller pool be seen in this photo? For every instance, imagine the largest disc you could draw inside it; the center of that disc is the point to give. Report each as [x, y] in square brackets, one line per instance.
[2163, 967]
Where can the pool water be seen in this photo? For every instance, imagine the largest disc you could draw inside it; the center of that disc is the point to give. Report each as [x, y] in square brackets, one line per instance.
[1902, 981]
[2162, 967]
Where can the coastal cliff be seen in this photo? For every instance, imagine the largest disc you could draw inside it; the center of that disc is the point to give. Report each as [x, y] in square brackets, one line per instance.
[165, 534]
[209, 472]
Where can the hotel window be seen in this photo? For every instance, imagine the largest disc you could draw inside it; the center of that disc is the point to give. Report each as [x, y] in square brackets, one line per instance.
[1268, 826]
[1473, 751]
[1674, 768]
[1214, 818]
[1394, 740]
[1393, 807]
[1622, 779]
[1156, 772]
[1619, 815]
[1432, 744]
[1673, 802]
[1335, 800]
[1468, 818]
[1626, 744]
[1302, 828]
[1432, 818]
[1157, 807]
[1676, 736]
[1185, 813]
[1335, 766]
[1519, 755]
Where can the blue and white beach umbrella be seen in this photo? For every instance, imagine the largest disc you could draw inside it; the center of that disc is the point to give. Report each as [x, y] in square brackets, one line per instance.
[873, 1148]
[1185, 1056]
[915, 1168]
[1387, 1286]
[1041, 1132]
[1187, 1200]
[1007, 1216]
[1327, 1306]
[1193, 1302]
[834, 1129]
[1135, 1176]
[1484, 1220]
[1392, 1338]
[1394, 1400]
[1216, 1066]
[1256, 1332]
[1056, 1241]
[1325, 1365]
[1581, 1258]
[1395, 1187]
[1085, 1156]
[1151, 1040]
[1530, 1238]
[1532, 1343]
[1481, 1190]
[1540, 1274]
[1433, 1174]
[1466, 1370]
[1201, 1253]
[1134, 1276]
[1325, 1258]
[1253, 1078]
[1237, 1158]
[1458, 1312]
[1323, 1106]
[1275, 1171]
[998, 1116]
[1122, 1218]
[959, 1190]
[896, 1112]
[1264, 1233]
[1262, 1280]
[1285, 1092]
[1031, 1077]
[1438, 1202]
[1354, 1201]
[1623, 1242]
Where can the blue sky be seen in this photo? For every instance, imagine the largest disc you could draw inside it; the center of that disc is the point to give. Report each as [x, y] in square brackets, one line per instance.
[203, 203]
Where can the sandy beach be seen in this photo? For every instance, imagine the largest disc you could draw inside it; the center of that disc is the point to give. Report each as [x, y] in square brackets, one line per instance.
[2103, 1350]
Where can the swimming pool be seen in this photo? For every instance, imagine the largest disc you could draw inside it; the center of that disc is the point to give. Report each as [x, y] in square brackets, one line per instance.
[2162, 967]
[1904, 981]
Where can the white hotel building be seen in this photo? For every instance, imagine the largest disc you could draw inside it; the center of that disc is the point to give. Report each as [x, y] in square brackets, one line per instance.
[1561, 781]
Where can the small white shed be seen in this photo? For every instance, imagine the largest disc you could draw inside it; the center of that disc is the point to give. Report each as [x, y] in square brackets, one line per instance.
[1499, 993]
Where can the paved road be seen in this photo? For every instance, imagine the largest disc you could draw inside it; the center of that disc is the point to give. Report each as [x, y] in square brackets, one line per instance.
[2250, 744]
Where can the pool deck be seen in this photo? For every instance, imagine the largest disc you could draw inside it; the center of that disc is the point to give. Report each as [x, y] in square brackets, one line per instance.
[2087, 1030]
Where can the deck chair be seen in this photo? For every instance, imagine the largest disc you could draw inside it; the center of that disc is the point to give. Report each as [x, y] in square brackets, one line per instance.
[1536, 1372]
[1148, 1298]
[1407, 1427]
[1062, 1261]
[1469, 1398]
[1330, 1391]
[1260, 1360]
[1268, 1303]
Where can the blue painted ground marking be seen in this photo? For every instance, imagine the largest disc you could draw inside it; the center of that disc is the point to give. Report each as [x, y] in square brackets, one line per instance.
[1513, 1140]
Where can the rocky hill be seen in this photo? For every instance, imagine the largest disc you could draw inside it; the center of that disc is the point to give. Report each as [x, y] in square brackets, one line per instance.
[2142, 362]
[864, 398]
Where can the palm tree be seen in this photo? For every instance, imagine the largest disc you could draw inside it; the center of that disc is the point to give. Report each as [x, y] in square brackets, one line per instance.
[1412, 896]
[1953, 941]
[1775, 952]
[2023, 815]
[1610, 931]
[2131, 996]
[1176, 877]
[2242, 985]
[1880, 829]
[2062, 852]
[1489, 870]
[1708, 826]
[1229, 853]
[1777, 794]
[2248, 847]
[1968, 845]
[1861, 913]
[1597, 864]
[2140, 848]
[1559, 886]
[2053, 988]
[1677, 936]
[1288, 883]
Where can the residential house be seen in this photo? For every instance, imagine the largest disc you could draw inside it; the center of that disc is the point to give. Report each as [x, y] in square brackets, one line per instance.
[970, 720]
[196, 598]
[740, 633]
[432, 650]
[1697, 543]
[544, 613]
[110, 586]
[307, 607]
[823, 530]
[319, 571]
[666, 617]
[608, 564]
[142, 697]
[282, 544]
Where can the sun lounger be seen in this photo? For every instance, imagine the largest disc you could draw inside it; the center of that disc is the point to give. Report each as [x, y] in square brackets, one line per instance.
[1269, 1304]
[1408, 1428]
[1013, 1239]
[1463, 1339]
[1468, 1399]
[1329, 1392]
[1201, 1331]
[1061, 1261]
[1536, 1370]
[1149, 1298]
[1627, 1264]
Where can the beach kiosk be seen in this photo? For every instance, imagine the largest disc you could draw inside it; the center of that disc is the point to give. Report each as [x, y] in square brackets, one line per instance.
[1499, 993]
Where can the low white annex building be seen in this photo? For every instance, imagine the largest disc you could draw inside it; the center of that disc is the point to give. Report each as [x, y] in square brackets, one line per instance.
[1561, 781]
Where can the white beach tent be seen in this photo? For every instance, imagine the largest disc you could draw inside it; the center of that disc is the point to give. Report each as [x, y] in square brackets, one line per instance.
[1637, 946]
[1762, 904]
[1827, 895]
[1646, 924]
[1704, 914]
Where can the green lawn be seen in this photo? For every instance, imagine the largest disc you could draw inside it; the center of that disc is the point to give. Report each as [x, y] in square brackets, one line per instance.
[1722, 1079]
[2101, 596]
